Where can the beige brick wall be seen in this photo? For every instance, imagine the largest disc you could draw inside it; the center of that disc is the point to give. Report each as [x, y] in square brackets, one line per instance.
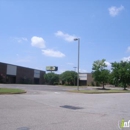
[89, 78]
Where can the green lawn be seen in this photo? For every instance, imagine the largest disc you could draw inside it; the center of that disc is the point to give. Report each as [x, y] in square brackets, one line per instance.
[11, 91]
[101, 91]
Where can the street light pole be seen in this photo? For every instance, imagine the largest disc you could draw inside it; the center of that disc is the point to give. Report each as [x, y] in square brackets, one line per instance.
[78, 39]
[74, 75]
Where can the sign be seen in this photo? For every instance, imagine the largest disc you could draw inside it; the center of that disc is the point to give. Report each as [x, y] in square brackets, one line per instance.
[51, 68]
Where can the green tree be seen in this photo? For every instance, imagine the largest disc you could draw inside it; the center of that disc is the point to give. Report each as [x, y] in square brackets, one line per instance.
[51, 78]
[68, 77]
[114, 79]
[121, 72]
[99, 72]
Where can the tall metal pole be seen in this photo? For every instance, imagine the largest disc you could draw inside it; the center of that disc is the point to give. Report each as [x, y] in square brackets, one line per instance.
[74, 75]
[78, 64]
[78, 39]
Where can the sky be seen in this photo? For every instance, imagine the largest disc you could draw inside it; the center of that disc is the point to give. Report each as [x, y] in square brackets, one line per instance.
[40, 33]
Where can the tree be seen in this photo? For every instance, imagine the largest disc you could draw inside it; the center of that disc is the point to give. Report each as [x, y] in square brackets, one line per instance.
[51, 78]
[112, 79]
[121, 72]
[100, 73]
[68, 77]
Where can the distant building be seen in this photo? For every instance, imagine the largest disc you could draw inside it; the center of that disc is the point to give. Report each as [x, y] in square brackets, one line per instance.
[18, 74]
[85, 79]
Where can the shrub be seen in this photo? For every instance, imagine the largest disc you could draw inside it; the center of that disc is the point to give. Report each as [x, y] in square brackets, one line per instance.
[56, 83]
[97, 84]
[92, 83]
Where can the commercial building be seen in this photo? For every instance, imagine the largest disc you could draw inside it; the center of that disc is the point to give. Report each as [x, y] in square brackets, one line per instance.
[18, 74]
[85, 79]
[22, 75]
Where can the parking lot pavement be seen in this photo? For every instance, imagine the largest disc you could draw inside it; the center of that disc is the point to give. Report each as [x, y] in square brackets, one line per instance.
[55, 110]
[38, 87]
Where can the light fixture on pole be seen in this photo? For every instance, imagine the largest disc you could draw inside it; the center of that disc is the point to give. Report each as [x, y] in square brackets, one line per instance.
[78, 39]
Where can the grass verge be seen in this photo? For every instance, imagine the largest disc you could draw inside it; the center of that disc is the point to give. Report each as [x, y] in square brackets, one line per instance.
[100, 91]
[11, 91]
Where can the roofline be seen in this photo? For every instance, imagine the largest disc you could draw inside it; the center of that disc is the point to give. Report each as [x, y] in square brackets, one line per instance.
[21, 66]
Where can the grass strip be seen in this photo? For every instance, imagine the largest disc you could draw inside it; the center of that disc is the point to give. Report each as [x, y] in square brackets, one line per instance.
[11, 91]
[100, 91]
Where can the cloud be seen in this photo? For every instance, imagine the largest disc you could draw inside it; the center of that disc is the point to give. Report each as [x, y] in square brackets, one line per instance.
[113, 11]
[126, 58]
[20, 40]
[128, 49]
[108, 63]
[24, 39]
[65, 36]
[38, 42]
[52, 53]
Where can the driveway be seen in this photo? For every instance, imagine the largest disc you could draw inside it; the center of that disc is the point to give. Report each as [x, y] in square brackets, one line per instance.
[44, 109]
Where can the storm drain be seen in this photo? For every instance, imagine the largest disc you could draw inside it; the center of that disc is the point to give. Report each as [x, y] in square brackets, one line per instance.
[23, 128]
[71, 107]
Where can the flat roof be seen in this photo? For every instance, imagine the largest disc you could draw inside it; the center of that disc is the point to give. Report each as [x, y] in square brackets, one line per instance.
[22, 66]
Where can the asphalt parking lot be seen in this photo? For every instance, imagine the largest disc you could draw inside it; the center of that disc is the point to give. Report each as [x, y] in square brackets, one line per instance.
[53, 108]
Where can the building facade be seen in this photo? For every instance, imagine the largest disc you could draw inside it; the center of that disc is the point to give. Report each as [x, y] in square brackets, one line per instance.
[85, 79]
[20, 75]
[89, 79]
